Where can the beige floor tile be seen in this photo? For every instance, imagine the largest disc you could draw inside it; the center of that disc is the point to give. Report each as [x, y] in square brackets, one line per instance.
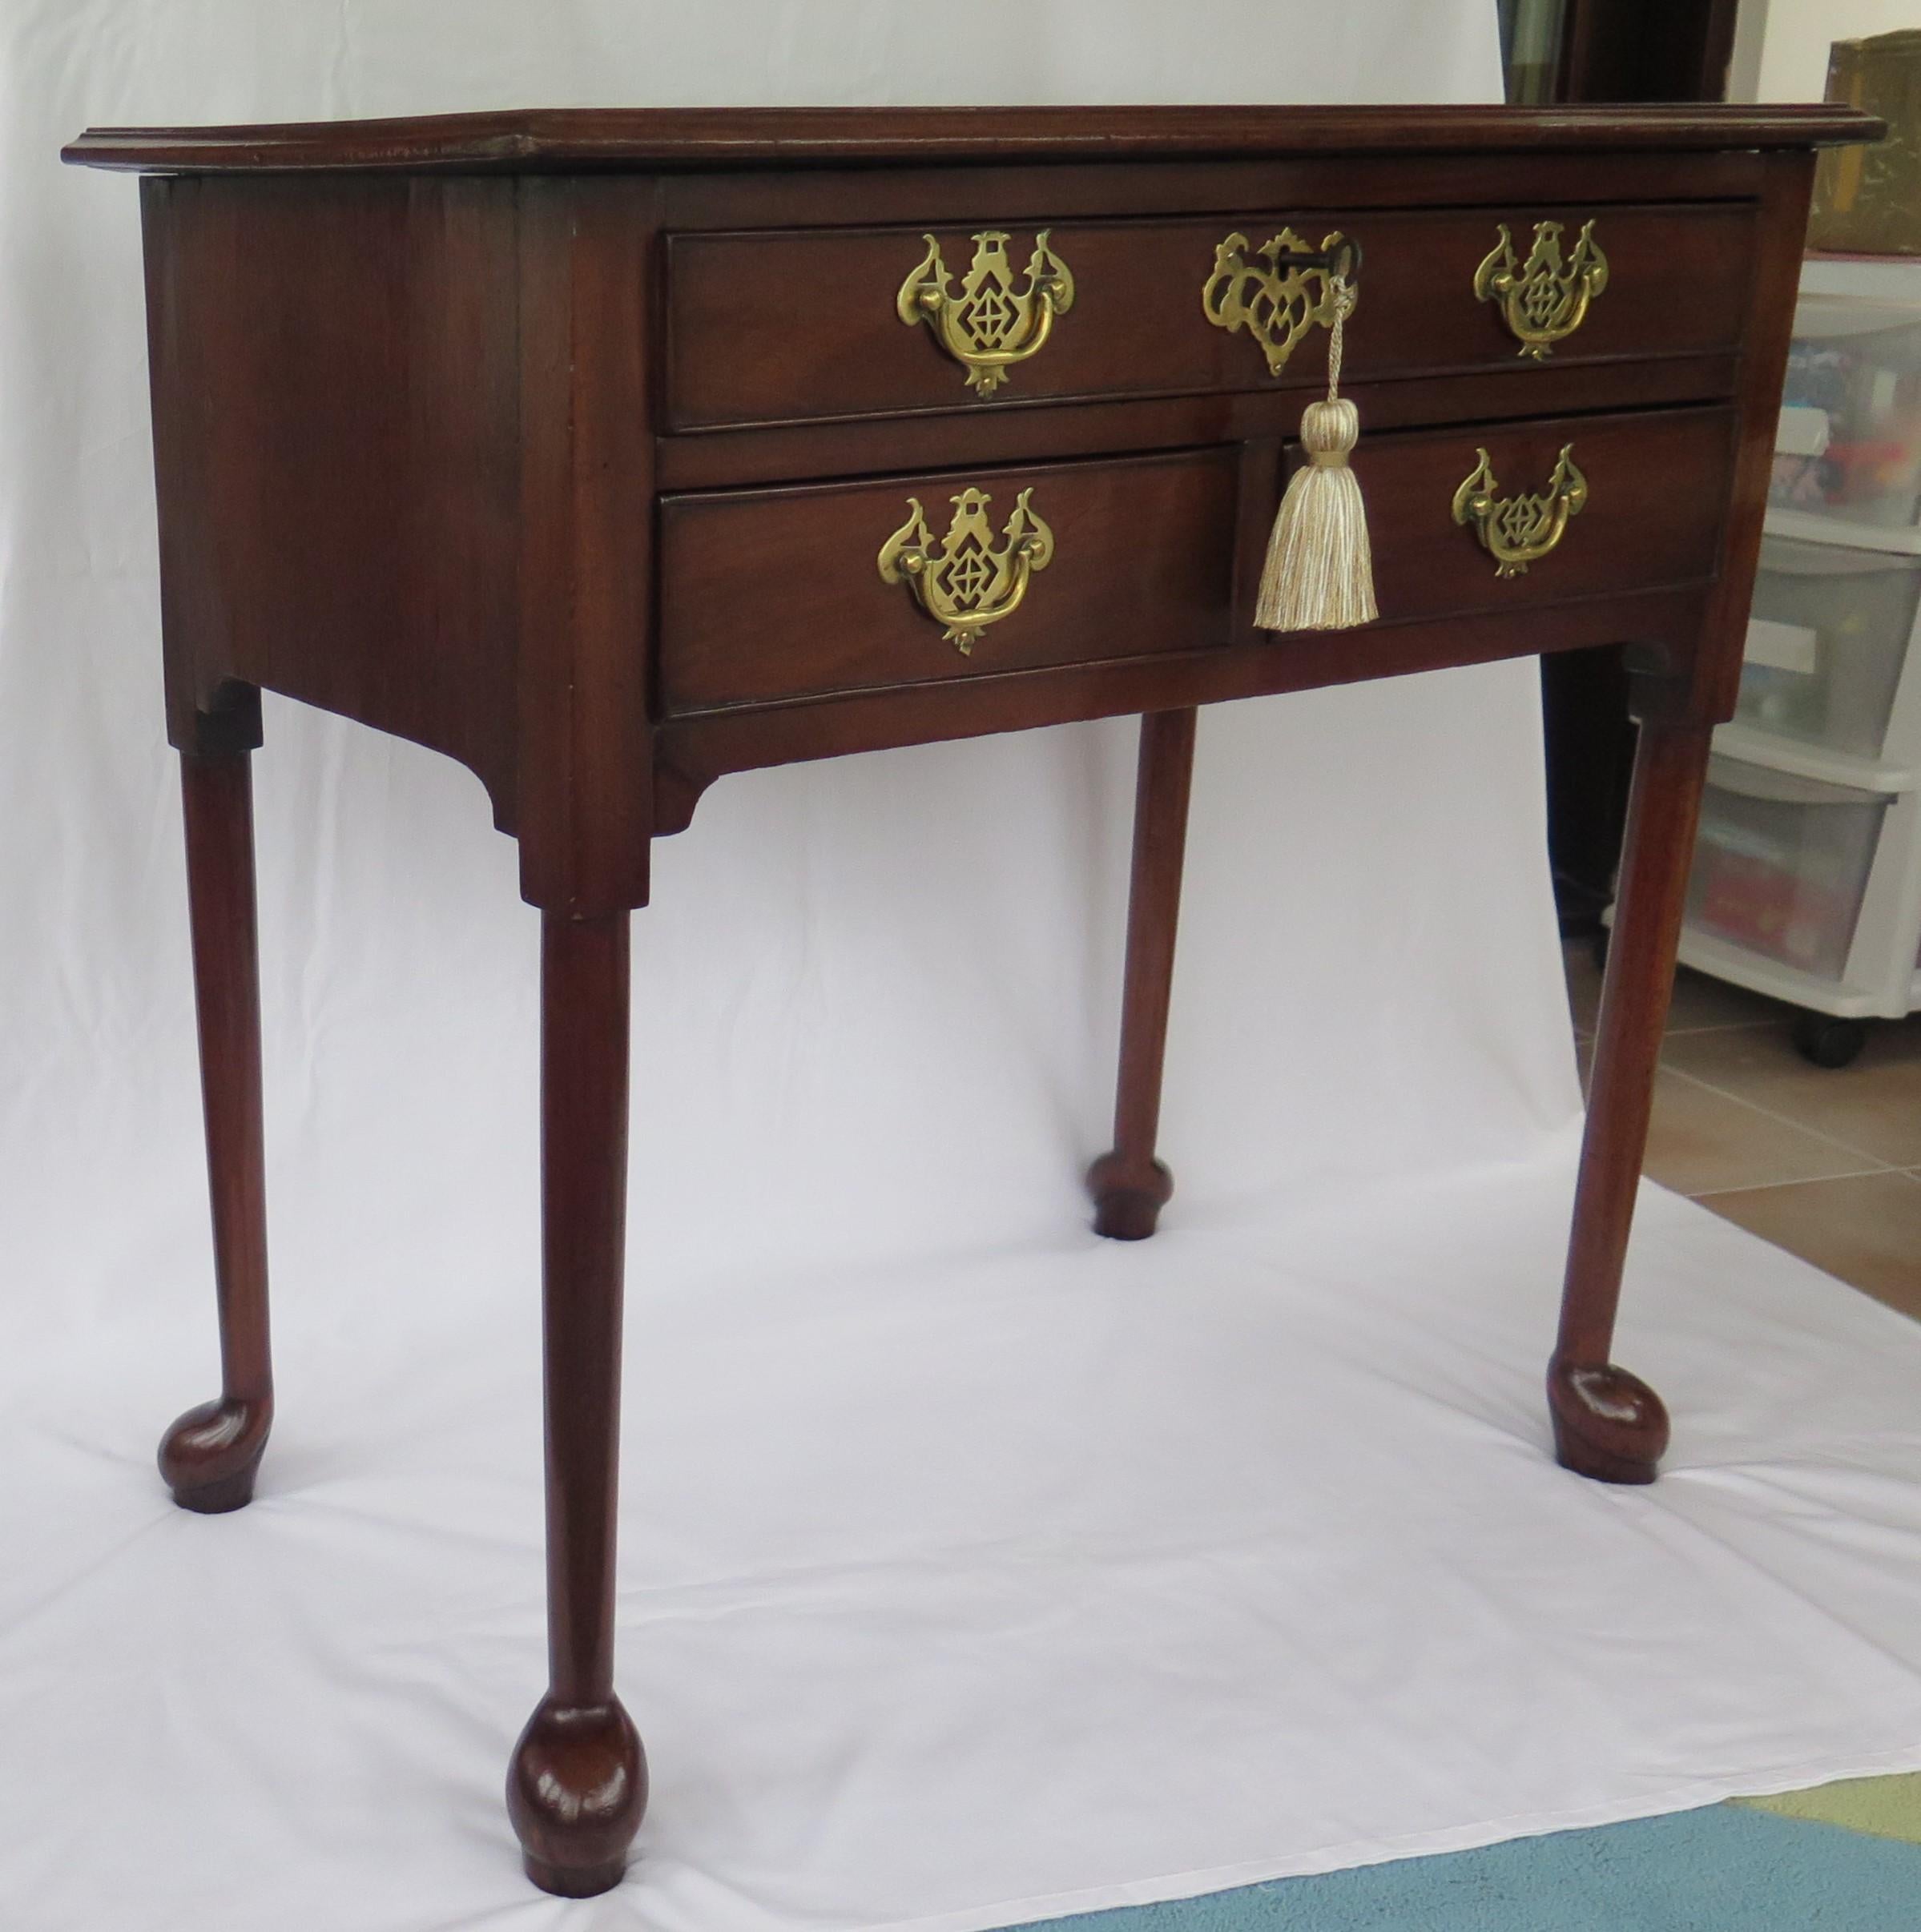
[1702, 1002]
[1866, 1230]
[1699, 1001]
[1701, 1141]
[1873, 1106]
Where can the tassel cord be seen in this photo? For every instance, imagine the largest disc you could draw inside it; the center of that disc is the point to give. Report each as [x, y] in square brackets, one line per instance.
[1319, 573]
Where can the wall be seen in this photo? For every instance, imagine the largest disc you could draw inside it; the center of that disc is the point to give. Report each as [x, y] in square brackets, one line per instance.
[1795, 36]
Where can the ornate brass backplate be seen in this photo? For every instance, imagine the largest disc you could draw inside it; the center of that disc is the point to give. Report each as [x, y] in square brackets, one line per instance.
[1278, 296]
[989, 324]
[1546, 297]
[1517, 531]
[968, 584]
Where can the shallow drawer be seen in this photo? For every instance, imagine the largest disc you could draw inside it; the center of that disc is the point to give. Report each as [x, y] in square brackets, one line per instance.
[1781, 864]
[775, 593]
[1637, 504]
[804, 325]
[1828, 646]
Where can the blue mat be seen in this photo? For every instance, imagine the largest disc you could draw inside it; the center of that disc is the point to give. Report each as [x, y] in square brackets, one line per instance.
[1722, 1869]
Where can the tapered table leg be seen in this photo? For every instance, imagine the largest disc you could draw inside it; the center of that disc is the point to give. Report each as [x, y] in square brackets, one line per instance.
[210, 1455]
[1609, 1424]
[1130, 1186]
[578, 1785]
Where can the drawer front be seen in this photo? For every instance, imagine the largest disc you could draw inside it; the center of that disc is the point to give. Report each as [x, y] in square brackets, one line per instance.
[780, 594]
[806, 325]
[1639, 506]
[774, 595]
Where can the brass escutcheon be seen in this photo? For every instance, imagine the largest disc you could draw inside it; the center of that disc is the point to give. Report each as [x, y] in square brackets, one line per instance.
[988, 324]
[1546, 297]
[968, 584]
[1282, 293]
[1517, 531]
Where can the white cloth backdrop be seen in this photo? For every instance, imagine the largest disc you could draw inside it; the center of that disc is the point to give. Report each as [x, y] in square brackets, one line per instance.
[973, 1569]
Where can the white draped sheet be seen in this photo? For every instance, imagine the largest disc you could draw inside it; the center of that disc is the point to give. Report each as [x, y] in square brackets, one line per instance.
[973, 1569]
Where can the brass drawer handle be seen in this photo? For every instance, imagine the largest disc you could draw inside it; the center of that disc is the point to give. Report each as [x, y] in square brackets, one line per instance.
[967, 584]
[1517, 531]
[988, 324]
[1282, 293]
[1544, 298]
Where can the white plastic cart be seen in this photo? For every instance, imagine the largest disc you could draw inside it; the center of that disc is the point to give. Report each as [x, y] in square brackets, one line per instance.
[1807, 871]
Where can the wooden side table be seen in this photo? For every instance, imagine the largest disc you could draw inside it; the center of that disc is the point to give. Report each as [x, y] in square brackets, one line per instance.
[609, 453]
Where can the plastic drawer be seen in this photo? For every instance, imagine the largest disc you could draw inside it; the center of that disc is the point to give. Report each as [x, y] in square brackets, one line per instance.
[1849, 443]
[1827, 643]
[1781, 863]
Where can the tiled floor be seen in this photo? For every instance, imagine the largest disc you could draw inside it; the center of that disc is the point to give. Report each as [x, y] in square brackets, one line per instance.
[1826, 1164]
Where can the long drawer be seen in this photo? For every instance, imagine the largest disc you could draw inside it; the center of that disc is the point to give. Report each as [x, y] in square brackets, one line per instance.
[806, 325]
[770, 595]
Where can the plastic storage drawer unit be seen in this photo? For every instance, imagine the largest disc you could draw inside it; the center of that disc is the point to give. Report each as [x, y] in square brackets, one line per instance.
[1849, 444]
[1781, 864]
[1806, 884]
[1828, 643]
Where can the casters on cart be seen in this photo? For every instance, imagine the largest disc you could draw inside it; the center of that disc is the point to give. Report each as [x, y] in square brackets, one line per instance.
[1829, 1042]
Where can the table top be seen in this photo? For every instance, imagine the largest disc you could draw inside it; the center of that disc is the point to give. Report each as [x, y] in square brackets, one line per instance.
[571, 139]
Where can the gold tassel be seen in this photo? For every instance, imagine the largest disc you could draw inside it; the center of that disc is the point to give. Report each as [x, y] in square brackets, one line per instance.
[1320, 572]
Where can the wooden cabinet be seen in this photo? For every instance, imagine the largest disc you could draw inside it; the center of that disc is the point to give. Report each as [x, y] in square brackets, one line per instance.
[611, 452]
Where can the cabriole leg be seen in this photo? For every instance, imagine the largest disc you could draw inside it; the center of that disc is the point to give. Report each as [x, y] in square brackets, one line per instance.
[1609, 1424]
[210, 1455]
[1130, 1186]
[578, 1785]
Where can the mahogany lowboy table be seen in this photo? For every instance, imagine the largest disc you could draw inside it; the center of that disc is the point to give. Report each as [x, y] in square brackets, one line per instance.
[608, 452]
